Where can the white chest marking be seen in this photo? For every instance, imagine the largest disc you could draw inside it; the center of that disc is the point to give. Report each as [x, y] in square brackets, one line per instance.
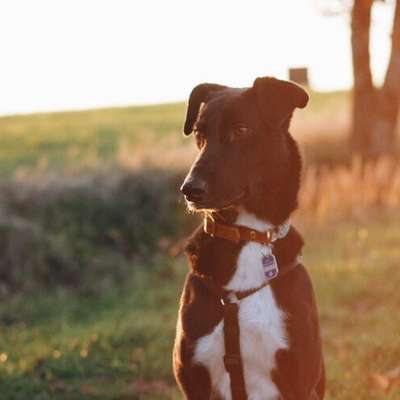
[262, 327]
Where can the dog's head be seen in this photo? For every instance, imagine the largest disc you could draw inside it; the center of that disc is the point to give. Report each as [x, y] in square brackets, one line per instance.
[246, 155]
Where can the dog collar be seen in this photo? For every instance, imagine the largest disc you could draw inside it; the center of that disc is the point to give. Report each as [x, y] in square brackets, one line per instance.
[237, 233]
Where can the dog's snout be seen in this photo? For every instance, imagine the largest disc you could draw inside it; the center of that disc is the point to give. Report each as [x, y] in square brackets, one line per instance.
[194, 189]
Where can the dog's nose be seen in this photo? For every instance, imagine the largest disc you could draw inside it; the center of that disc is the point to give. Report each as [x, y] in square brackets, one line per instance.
[194, 189]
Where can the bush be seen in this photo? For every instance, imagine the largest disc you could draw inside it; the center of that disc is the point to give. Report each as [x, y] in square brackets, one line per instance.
[84, 231]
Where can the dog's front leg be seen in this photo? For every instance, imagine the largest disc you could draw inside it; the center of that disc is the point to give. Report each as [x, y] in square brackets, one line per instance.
[193, 380]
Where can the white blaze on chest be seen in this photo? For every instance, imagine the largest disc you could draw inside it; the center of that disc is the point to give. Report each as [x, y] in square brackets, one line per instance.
[262, 326]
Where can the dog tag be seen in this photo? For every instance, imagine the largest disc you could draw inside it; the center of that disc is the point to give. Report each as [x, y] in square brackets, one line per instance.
[270, 265]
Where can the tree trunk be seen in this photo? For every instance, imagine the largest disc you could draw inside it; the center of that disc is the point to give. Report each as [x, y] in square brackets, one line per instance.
[384, 134]
[363, 92]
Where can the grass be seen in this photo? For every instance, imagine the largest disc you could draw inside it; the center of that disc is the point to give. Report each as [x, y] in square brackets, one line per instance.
[63, 137]
[118, 346]
[67, 138]
[355, 273]
[108, 347]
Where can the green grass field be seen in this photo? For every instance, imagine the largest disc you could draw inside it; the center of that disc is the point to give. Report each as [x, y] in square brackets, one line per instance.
[64, 139]
[118, 346]
[58, 137]
[115, 343]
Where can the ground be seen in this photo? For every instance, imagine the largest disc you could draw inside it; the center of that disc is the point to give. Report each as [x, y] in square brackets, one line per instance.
[118, 346]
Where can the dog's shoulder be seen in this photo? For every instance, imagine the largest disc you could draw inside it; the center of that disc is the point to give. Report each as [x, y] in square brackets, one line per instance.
[294, 292]
[295, 296]
[197, 301]
[212, 256]
[288, 248]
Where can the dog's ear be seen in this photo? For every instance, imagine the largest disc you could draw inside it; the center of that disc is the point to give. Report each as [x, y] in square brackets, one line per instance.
[277, 99]
[200, 94]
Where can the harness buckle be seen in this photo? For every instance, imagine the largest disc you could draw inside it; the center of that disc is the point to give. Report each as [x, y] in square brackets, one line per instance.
[230, 298]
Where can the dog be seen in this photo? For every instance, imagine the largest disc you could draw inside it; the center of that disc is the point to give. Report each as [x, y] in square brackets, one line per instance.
[248, 324]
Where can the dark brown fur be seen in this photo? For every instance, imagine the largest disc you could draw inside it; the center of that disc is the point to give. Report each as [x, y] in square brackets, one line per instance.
[259, 171]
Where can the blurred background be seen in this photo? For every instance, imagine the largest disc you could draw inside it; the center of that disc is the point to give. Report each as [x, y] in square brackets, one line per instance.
[92, 100]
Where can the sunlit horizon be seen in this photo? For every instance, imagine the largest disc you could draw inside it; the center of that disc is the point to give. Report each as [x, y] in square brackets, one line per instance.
[71, 55]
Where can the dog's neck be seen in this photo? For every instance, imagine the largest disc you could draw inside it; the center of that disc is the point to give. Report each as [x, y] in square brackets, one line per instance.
[217, 257]
[241, 216]
[244, 217]
[250, 220]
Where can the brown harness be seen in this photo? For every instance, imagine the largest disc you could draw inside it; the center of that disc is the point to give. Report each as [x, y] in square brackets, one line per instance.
[230, 299]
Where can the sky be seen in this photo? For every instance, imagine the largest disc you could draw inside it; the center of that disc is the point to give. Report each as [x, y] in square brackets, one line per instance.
[77, 54]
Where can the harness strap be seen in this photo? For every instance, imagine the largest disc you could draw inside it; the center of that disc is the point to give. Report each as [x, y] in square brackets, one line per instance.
[232, 358]
[230, 302]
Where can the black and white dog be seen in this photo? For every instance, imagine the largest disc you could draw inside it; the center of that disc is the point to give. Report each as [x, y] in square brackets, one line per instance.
[246, 180]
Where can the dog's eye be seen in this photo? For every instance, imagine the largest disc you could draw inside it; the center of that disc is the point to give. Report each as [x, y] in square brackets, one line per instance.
[241, 130]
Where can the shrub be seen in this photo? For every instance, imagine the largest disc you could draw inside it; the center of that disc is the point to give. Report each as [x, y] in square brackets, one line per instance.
[84, 230]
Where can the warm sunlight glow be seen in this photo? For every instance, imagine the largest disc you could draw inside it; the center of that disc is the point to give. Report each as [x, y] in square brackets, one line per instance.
[80, 54]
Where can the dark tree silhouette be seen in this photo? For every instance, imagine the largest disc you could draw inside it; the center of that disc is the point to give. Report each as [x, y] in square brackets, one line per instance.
[375, 110]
